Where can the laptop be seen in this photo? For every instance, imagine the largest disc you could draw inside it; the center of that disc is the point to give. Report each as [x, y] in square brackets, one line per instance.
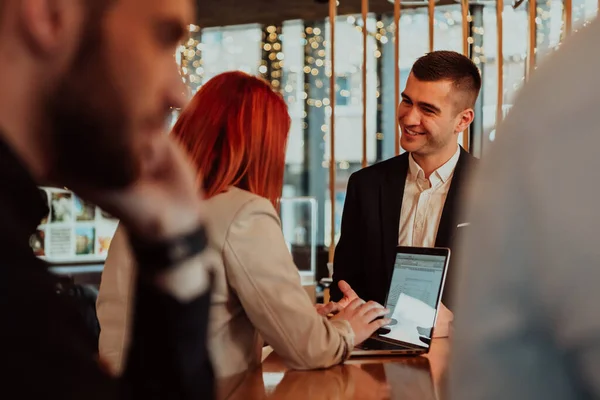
[413, 299]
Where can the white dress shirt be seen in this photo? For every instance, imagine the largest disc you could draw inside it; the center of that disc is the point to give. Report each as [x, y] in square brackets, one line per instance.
[423, 202]
[422, 206]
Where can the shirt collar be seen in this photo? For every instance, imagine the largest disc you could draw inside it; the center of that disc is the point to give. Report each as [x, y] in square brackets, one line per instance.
[442, 174]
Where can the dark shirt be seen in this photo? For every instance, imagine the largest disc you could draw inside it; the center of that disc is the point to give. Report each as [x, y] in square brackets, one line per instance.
[48, 350]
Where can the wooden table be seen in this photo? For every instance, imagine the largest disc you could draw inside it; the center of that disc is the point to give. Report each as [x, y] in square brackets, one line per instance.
[406, 378]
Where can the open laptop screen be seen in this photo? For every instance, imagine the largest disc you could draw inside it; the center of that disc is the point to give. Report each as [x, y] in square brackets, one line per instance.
[414, 294]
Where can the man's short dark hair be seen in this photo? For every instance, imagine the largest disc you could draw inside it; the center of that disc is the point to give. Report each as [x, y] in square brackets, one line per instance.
[450, 66]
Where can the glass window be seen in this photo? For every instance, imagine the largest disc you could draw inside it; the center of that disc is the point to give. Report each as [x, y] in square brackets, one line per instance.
[515, 34]
[231, 48]
[306, 75]
[343, 90]
[584, 11]
[349, 108]
[293, 43]
[447, 28]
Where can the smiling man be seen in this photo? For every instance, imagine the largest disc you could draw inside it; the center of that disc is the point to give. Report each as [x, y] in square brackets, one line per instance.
[411, 199]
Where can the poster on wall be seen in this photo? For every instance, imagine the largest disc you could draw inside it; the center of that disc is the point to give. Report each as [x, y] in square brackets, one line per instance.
[73, 231]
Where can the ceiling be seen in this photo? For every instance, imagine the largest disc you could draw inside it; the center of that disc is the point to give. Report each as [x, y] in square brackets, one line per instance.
[236, 12]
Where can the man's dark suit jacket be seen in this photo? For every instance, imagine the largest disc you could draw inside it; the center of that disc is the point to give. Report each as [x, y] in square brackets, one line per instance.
[365, 254]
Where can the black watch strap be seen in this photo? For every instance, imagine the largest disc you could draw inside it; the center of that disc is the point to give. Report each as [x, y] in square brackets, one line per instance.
[155, 256]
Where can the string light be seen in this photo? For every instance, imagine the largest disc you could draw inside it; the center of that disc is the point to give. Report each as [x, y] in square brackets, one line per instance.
[273, 58]
[315, 63]
[318, 67]
[190, 59]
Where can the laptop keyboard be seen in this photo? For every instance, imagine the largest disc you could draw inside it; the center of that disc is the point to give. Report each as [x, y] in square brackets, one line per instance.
[373, 344]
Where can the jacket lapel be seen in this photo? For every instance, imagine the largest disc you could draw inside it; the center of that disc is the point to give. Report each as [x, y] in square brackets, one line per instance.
[450, 214]
[391, 194]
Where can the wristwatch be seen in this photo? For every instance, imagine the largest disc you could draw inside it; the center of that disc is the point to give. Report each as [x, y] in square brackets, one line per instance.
[159, 255]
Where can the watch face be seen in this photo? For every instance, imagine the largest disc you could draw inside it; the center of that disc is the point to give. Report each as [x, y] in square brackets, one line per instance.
[164, 254]
[179, 250]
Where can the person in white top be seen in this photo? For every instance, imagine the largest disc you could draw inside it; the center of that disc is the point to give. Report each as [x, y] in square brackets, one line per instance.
[411, 199]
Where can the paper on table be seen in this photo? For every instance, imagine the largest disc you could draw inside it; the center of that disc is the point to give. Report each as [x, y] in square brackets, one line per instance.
[410, 313]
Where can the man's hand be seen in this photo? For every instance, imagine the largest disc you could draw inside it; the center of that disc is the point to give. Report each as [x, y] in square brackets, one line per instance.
[164, 202]
[349, 294]
[443, 323]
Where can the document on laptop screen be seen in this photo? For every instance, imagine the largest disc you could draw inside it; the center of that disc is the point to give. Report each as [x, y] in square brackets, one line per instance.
[413, 297]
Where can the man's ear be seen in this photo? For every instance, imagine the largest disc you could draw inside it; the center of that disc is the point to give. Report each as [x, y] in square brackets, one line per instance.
[50, 25]
[464, 120]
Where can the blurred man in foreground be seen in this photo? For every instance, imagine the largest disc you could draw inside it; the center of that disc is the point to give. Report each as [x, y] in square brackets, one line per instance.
[86, 87]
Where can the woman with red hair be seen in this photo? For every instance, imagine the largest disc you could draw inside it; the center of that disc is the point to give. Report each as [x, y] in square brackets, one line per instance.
[235, 130]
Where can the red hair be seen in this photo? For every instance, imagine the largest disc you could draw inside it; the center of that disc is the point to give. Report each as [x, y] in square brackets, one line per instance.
[235, 130]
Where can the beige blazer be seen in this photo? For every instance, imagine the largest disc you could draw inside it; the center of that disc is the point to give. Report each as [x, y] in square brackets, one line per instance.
[257, 295]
